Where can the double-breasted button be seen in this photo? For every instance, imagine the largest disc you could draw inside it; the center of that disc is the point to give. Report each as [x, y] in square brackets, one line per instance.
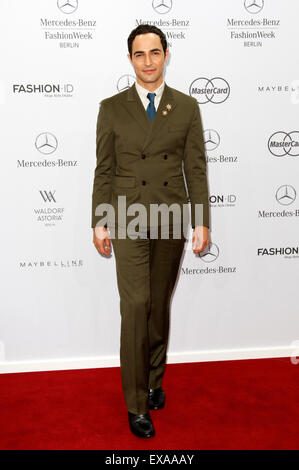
[143, 182]
[165, 157]
[143, 155]
[165, 183]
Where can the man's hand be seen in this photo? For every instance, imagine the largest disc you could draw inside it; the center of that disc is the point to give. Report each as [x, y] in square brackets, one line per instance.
[200, 238]
[101, 240]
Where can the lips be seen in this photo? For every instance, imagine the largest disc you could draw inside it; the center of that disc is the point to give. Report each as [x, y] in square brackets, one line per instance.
[149, 71]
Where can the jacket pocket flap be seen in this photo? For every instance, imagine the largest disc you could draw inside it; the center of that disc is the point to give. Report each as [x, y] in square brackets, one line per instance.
[125, 181]
[177, 180]
[176, 128]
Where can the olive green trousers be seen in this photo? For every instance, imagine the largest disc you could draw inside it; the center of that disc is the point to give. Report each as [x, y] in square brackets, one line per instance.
[146, 270]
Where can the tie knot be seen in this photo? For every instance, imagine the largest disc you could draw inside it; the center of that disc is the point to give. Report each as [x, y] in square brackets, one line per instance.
[151, 96]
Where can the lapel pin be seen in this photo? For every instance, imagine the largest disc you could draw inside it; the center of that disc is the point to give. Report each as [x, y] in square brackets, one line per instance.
[168, 108]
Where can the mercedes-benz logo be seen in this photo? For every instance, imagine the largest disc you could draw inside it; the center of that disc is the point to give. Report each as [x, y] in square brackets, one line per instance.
[254, 6]
[210, 253]
[125, 82]
[215, 90]
[284, 143]
[211, 139]
[46, 143]
[285, 195]
[67, 6]
[162, 6]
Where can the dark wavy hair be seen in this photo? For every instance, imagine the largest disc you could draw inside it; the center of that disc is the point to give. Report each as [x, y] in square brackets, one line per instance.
[143, 29]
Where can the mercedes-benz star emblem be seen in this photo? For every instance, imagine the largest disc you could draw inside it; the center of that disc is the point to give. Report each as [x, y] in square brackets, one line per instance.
[46, 143]
[285, 195]
[162, 6]
[67, 6]
[253, 6]
[211, 139]
[125, 82]
[210, 253]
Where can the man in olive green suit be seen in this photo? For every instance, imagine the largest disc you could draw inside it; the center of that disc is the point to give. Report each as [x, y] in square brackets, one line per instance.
[144, 135]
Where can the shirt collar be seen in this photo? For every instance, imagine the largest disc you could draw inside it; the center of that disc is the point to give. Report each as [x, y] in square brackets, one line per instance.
[143, 91]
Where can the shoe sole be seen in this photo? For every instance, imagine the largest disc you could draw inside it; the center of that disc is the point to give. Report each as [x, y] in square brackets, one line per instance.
[150, 434]
[152, 407]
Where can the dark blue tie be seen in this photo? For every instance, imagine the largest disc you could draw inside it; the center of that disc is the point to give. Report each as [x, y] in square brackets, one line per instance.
[151, 111]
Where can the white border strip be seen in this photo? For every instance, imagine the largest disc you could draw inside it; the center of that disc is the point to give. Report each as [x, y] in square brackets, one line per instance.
[7, 367]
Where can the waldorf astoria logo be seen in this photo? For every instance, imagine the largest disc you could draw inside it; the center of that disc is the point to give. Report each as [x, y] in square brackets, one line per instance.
[209, 90]
[253, 28]
[68, 29]
[49, 214]
[281, 144]
[48, 90]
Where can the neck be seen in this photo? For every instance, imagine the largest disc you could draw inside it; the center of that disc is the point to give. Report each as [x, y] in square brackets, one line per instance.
[150, 86]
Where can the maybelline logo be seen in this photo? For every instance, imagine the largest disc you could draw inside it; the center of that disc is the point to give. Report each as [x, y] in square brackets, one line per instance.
[56, 90]
[69, 32]
[253, 29]
[46, 143]
[287, 252]
[281, 88]
[51, 214]
[51, 263]
[210, 90]
[212, 142]
[222, 200]
[285, 195]
[283, 143]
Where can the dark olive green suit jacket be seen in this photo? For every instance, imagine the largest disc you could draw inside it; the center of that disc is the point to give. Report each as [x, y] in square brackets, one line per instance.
[142, 160]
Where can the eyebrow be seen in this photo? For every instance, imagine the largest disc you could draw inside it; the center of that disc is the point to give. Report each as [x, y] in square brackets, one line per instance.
[152, 50]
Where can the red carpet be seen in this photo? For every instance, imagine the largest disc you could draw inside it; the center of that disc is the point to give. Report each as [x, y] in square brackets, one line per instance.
[244, 404]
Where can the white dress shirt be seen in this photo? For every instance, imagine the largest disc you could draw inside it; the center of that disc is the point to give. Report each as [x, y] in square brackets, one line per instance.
[142, 92]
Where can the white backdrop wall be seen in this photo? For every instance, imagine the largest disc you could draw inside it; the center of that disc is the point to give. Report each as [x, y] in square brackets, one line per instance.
[59, 298]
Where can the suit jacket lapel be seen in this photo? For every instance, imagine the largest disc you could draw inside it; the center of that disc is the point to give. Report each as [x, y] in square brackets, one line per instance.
[136, 109]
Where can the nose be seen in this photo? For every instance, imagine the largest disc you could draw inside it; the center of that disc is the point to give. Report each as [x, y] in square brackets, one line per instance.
[147, 59]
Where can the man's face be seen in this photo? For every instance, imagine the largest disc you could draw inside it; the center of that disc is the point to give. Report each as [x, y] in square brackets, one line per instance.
[148, 58]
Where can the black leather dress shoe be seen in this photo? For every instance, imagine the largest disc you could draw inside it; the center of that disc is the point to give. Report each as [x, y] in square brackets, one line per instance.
[156, 398]
[141, 424]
